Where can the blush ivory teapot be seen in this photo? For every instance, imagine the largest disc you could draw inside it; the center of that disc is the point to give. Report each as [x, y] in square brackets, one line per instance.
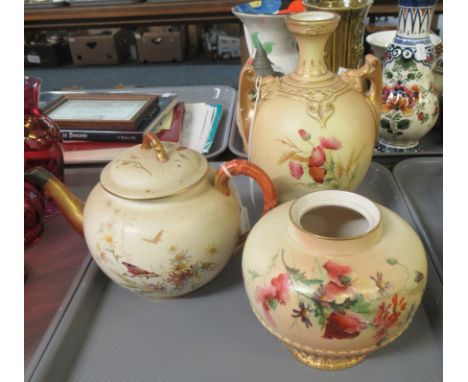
[310, 129]
[334, 276]
[160, 222]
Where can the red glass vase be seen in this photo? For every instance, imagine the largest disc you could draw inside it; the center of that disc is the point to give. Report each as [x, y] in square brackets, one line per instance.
[42, 138]
[33, 210]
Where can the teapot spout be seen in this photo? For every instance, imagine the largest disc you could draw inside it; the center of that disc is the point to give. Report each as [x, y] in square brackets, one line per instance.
[70, 205]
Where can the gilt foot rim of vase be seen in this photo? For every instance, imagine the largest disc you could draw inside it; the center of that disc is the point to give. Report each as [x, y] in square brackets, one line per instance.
[325, 363]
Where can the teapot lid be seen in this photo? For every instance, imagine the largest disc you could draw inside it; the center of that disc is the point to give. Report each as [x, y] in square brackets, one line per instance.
[153, 170]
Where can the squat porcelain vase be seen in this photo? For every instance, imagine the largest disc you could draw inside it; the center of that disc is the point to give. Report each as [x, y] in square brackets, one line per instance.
[313, 129]
[409, 100]
[160, 222]
[334, 276]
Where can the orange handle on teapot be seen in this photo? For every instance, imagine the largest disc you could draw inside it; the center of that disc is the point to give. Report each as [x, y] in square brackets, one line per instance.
[243, 167]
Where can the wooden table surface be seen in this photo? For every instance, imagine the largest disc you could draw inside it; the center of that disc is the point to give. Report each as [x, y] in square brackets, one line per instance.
[163, 12]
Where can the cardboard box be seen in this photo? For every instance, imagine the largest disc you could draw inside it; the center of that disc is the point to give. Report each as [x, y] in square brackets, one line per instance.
[194, 36]
[46, 49]
[231, 29]
[99, 46]
[161, 44]
[221, 46]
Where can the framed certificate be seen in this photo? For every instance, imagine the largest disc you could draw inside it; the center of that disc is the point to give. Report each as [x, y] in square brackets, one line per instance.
[114, 111]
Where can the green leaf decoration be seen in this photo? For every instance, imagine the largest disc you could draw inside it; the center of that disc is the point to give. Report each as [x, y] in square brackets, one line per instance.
[361, 306]
[411, 76]
[268, 47]
[299, 276]
[255, 40]
[332, 164]
[273, 304]
[403, 124]
[354, 173]
[319, 313]
[391, 261]
[407, 64]
[385, 124]
[253, 274]
[388, 74]
[345, 305]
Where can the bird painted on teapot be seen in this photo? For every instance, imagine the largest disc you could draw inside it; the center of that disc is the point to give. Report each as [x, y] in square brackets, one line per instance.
[311, 129]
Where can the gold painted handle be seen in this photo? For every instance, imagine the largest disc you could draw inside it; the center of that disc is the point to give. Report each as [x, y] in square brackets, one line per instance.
[246, 102]
[372, 71]
[152, 140]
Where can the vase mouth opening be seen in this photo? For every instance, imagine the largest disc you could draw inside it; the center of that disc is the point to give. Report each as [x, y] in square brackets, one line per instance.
[335, 215]
[313, 16]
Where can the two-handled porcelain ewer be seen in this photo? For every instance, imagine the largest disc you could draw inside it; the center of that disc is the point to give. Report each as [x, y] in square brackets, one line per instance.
[311, 129]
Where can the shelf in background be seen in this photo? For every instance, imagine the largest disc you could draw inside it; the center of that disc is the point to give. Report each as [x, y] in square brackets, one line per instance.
[163, 12]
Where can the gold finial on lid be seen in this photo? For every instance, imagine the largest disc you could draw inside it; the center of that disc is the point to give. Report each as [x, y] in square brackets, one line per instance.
[152, 140]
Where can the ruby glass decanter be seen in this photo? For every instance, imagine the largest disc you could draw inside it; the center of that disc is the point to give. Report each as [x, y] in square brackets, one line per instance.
[42, 138]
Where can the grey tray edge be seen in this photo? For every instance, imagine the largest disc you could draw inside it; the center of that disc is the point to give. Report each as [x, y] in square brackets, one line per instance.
[95, 3]
[233, 137]
[229, 112]
[57, 319]
[414, 214]
[45, 5]
[230, 116]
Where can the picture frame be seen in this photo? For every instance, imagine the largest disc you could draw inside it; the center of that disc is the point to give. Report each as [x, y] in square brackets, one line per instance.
[101, 111]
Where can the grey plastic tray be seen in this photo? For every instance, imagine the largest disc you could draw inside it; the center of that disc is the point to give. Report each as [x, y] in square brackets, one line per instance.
[109, 334]
[431, 146]
[45, 4]
[420, 180]
[210, 94]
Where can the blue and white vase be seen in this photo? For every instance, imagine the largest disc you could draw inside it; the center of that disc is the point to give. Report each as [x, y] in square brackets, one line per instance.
[409, 101]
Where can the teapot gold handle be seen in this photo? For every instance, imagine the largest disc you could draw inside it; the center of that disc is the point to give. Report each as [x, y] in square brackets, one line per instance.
[246, 102]
[243, 167]
[372, 71]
